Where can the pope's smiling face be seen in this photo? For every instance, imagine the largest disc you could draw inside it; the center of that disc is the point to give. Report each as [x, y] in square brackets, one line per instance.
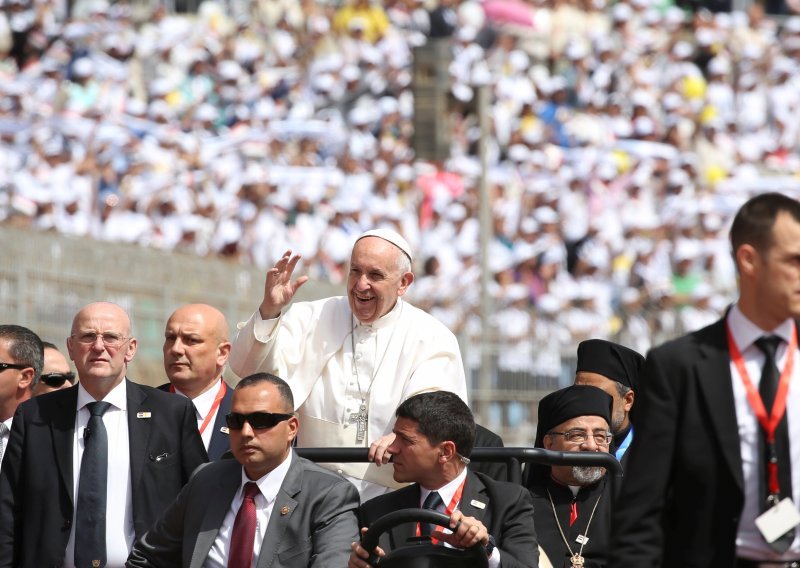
[378, 276]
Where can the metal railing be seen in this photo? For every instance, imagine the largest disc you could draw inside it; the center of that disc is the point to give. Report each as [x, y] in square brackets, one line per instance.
[512, 457]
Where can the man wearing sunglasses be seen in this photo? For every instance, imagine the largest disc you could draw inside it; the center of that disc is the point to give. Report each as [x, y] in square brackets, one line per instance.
[20, 368]
[268, 507]
[572, 504]
[56, 374]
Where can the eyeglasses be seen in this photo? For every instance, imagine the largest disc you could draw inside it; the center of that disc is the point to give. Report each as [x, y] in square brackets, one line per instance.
[20, 366]
[578, 436]
[55, 380]
[257, 420]
[112, 340]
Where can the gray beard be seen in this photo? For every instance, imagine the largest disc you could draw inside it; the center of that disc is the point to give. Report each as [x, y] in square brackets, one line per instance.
[587, 475]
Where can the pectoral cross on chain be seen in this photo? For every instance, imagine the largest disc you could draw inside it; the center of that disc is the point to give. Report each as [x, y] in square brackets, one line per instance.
[360, 420]
[577, 560]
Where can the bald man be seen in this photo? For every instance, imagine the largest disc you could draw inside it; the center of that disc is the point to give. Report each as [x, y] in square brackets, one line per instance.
[196, 349]
[90, 468]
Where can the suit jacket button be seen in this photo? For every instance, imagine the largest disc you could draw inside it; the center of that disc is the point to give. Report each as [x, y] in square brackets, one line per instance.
[67, 524]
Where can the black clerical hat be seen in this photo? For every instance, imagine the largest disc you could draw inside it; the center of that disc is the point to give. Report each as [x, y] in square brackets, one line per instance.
[571, 402]
[611, 360]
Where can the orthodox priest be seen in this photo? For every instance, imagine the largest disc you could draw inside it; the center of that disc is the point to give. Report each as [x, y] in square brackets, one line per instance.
[615, 369]
[572, 504]
[351, 360]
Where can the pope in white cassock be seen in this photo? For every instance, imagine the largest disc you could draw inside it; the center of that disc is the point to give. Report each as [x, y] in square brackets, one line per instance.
[351, 360]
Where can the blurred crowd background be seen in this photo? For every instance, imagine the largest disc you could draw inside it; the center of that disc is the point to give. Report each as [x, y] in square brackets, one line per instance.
[623, 138]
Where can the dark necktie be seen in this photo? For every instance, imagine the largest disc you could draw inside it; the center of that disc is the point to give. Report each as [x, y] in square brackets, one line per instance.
[433, 502]
[90, 510]
[244, 530]
[768, 388]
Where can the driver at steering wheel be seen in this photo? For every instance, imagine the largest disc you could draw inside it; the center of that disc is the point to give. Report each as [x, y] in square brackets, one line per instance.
[434, 435]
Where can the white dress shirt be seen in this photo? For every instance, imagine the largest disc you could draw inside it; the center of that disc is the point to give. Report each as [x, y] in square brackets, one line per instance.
[119, 514]
[447, 492]
[749, 542]
[268, 485]
[202, 406]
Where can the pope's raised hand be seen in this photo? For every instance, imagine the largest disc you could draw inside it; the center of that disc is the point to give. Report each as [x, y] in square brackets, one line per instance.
[279, 289]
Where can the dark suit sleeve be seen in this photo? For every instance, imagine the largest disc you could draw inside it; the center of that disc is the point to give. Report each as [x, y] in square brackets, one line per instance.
[162, 545]
[335, 526]
[637, 533]
[10, 492]
[517, 540]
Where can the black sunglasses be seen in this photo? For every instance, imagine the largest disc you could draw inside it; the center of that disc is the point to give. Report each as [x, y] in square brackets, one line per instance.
[257, 420]
[19, 366]
[55, 380]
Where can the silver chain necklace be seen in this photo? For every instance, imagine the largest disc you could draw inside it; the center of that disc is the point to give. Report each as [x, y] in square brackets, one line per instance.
[361, 418]
[576, 558]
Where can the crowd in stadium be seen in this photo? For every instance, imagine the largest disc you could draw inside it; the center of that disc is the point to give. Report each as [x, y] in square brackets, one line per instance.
[624, 137]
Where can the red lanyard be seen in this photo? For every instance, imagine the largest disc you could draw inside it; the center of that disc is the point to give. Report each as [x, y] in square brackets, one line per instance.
[450, 508]
[768, 424]
[223, 388]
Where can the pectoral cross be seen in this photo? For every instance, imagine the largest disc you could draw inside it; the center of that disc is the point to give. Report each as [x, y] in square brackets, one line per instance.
[577, 560]
[360, 420]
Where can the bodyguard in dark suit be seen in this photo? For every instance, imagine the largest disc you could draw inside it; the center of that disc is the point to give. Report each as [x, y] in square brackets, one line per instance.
[196, 349]
[151, 446]
[698, 474]
[305, 514]
[434, 434]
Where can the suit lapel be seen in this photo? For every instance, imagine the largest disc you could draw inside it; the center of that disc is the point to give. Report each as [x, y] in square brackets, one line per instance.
[219, 501]
[220, 441]
[62, 429]
[282, 511]
[138, 431]
[714, 378]
[473, 497]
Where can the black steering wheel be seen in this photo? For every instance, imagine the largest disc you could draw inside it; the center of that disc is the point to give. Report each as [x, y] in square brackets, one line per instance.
[420, 553]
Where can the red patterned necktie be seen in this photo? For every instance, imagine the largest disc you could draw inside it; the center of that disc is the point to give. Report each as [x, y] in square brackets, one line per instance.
[573, 513]
[244, 530]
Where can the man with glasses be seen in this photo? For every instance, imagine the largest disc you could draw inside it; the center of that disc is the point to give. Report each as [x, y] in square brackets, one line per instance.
[268, 507]
[90, 468]
[615, 369]
[56, 374]
[20, 368]
[572, 504]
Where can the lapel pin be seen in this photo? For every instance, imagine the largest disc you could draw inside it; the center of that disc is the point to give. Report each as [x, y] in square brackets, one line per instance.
[477, 504]
[143, 415]
[224, 430]
[285, 510]
[95, 563]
